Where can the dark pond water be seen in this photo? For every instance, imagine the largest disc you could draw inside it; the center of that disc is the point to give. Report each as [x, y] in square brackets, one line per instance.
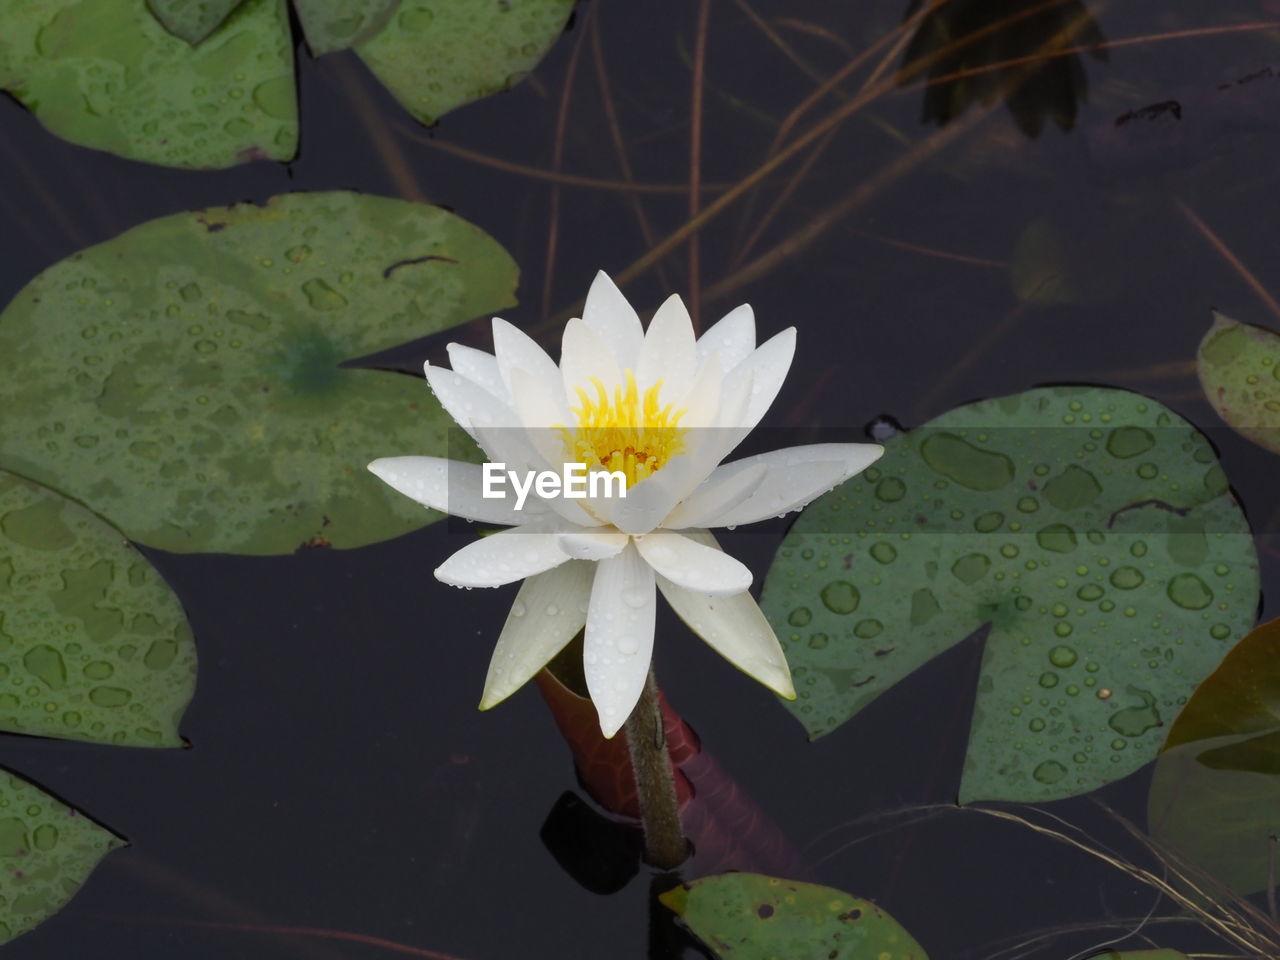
[339, 776]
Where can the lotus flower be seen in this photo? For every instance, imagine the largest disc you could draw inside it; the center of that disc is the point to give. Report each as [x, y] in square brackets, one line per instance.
[662, 410]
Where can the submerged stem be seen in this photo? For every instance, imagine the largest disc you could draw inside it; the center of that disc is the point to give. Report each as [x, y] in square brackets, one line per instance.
[664, 844]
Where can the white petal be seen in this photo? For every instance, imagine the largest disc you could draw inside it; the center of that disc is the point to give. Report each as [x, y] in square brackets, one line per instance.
[547, 613]
[466, 401]
[701, 402]
[669, 353]
[767, 367]
[593, 544]
[514, 448]
[737, 630]
[454, 487]
[733, 336]
[703, 569]
[648, 502]
[585, 358]
[608, 313]
[503, 557]
[619, 637]
[516, 350]
[796, 476]
[480, 368]
[542, 410]
[714, 496]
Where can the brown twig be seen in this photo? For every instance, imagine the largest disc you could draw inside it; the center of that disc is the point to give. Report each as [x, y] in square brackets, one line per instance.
[557, 158]
[619, 144]
[1228, 255]
[375, 125]
[860, 194]
[564, 179]
[695, 159]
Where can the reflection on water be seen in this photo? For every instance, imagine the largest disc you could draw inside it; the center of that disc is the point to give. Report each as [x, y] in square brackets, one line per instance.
[980, 51]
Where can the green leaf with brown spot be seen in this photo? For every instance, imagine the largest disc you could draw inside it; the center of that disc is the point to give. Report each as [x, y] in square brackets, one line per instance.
[93, 644]
[1092, 529]
[434, 56]
[1239, 368]
[184, 379]
[106, 74]
[748, 916]
[337, 24]
[192, 20]
[47, 850]
[1215, 796]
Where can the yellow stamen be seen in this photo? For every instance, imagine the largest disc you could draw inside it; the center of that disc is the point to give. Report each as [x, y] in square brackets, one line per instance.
[629, 432]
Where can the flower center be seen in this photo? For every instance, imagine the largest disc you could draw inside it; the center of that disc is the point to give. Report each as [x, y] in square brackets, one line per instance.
[629, 432]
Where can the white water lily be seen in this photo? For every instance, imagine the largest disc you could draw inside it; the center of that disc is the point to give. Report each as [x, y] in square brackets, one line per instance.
[664, 409]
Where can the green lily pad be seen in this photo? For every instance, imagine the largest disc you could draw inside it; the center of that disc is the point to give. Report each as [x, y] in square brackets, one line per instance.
[337, 24]
[184, 379]
[1215, 796]
[435, 56]
[1239, 369]
[93, 643]
[47, 850]
[192, 20]
[1157, 954]
[748, 916]
[106, 74]
[208, 84]
[1091, 528]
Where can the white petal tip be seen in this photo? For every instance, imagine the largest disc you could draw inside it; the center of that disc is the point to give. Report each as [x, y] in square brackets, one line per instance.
[447, 578]
[609, 731]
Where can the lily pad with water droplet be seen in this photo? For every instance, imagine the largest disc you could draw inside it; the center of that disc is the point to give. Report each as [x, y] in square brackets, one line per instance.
[184, 378]
[1092, 529]
[106, 74]
[337, 24]
[435, 56]
[192, 20]
[748, 916]
[93, 644]
[47, 850]
[1239, 368]
[1215, 796]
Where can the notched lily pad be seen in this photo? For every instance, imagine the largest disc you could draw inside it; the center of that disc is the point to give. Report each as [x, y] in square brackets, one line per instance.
[209, 83]
[1239, 368]
[47, 850]
[437, 56]
[93, 643]
[192, 20]
[748, 916]
[337, 24]
[106, 74]
[1092, 529]
[183, 379]
[1215, 796]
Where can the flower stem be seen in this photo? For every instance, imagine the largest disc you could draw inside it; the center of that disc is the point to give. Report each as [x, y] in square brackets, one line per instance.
[664, 844]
